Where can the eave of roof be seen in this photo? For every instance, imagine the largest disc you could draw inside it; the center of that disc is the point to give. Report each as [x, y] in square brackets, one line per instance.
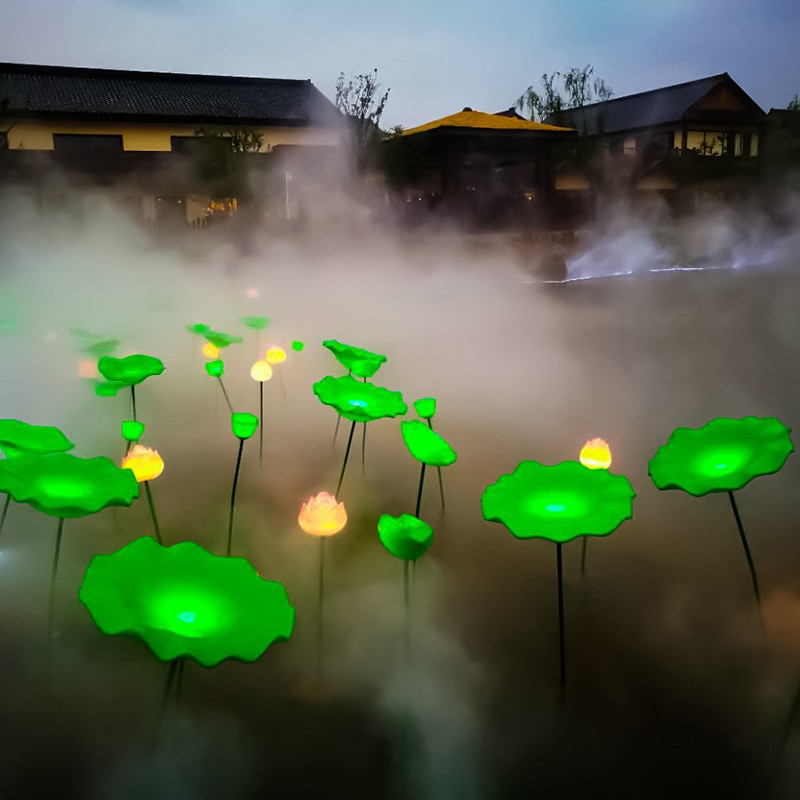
[480, 120]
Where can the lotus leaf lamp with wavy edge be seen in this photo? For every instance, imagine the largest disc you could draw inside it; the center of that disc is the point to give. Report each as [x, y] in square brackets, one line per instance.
[130, 370]
[723, 455]
[18, 438]
[66, 486]
[406, 537]
[256, 323]
[363, 363]
[359, 401]
[558, 503]
[183, 601]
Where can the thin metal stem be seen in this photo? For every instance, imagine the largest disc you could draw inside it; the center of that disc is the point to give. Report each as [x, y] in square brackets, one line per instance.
[749, 557]
[336, 431]
[583, 555]
[320, 606]
[153, 512]
[561, 636]
[363, 447]
[346, 456]
[419, 490]
[53, 575]
[227, 399]
[5, 511]
[260, 423]
[133, 401]
[233, 495]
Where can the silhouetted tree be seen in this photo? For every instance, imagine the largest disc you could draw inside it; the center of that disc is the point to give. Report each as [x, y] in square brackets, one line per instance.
[577, 88]
[359, 97]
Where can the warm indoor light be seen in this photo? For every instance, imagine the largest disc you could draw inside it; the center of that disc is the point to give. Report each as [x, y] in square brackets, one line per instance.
[146, 464]
[87, 368]
[210, 350]
[596, 454]
[276, 355]
[322, 515]
[261, 371]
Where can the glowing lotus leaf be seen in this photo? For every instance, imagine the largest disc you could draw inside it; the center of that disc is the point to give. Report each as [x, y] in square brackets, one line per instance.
[199, 328]
[63, 485]
[406, 536]
[215, 368]
[558, 502]
[297, 346]
[104, 348]
[724, 455]
[425, 407]
[360, 362]
[18, 438]
[426, 445]
[184, 601]
[132, 430]
[129, 370]
[108, 389]
[256, 323]
[359, 401]
[219, 339]
[244, 425]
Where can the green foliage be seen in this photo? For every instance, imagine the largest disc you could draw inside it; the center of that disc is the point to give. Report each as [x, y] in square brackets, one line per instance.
[360, 99]
[577, 88]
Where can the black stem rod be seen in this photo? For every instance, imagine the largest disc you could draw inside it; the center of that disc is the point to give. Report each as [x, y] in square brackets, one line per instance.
[419, 489]
[260, 423]
[227, 399]
[133, 401]
[320, 606]
[153, 512]
[346, 456]
[233, 495]
[5, 511]
[561, 637]
[583, 555]
[53, 576]
[749, 557]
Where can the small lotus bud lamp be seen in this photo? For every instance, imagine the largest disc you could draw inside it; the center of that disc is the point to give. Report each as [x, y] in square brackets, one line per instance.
[147, 465]
[243, 425]
[261, 372]
[595, 454]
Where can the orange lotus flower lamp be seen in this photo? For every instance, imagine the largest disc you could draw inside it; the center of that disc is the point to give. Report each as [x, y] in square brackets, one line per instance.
[321, 516]
[210, 351]
[146, 465]
[596, 454]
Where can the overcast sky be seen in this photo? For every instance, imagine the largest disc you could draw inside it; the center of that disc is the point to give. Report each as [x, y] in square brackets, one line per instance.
[437, 56]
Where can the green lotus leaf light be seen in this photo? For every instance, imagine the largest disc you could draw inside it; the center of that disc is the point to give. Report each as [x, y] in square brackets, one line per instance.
[199, 328]
[103, 348]
[219, 339]
[256, 323]
[130, 370]
[244, 425]
[183, 601]
[426, 445]
[558, 502]
[215, 368]
[425, 407]
[722, 456]
[298, 346]
[360, 362]
[132, 430]
[18, 438]
[108, 389]
[359, 401]
[63, 485]
[406, 537]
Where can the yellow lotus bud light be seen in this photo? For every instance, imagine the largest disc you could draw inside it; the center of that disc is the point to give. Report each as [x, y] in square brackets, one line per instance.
[276, 355]
[321, 515]
[146, 464]
[261, 371]
[596, 454]
[210, 350]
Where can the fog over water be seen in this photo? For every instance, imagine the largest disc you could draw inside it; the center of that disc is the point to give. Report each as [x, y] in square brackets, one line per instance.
[671, 686]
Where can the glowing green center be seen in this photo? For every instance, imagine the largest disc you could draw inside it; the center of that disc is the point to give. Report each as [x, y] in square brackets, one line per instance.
[187, 616]
[555, 508]
[359, 403]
